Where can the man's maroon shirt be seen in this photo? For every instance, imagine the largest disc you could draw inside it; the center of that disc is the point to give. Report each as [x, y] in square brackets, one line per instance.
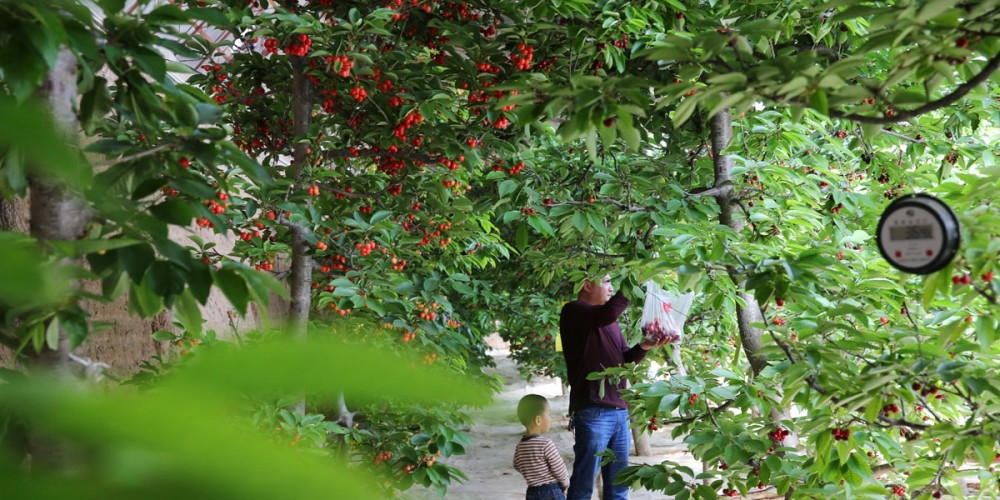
[593, 342]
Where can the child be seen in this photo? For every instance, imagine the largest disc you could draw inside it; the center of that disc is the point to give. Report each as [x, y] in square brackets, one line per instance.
[536, 456]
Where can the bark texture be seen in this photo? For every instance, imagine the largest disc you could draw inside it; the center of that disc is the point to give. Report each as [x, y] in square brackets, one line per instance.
[749, 312]
[301, 265]
[56, 212]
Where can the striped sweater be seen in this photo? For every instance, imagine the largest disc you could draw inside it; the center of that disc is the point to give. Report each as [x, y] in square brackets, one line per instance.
[538, 460]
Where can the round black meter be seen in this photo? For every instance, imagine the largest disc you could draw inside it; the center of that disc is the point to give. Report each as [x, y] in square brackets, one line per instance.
[918, 234]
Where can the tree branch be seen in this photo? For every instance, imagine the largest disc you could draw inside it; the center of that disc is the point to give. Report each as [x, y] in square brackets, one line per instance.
[900, 115]
[137, 156]
[369, 153]
[725, 188]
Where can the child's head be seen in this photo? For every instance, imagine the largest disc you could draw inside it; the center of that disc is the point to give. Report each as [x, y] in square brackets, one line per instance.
[533, 412]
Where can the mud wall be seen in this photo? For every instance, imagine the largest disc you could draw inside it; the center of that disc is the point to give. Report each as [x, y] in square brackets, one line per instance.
[128, 342]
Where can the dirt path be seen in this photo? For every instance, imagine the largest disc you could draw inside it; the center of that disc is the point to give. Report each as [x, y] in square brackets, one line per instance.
[496, 431]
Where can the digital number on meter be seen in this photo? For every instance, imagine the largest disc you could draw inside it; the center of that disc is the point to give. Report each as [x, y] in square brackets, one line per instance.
[911, 232]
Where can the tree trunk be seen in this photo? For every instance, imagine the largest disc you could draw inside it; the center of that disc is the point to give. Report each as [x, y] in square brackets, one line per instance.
[8, 215]
[642, 446]
[301, 266]
[56, 213]
[749, 312]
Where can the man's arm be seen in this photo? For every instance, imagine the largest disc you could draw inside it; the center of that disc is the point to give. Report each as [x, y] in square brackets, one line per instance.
[598, 316]
[638, 352]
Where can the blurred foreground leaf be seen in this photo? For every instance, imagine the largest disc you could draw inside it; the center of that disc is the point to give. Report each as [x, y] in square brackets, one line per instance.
[187, 438]
[24, 276]
[175, 446]
[29, 129]
[324, 367]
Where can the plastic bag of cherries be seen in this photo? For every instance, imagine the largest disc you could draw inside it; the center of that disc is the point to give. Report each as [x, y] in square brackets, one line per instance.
[663, 314]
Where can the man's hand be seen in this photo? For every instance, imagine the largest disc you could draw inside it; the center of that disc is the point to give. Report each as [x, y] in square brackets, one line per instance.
[649, 344]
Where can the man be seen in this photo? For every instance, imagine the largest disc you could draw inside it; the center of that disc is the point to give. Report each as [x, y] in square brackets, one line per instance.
[593, 342]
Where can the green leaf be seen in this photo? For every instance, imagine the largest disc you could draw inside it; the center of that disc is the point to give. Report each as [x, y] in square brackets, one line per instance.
[380, 216]
[188, 313]
[164, 336]
[143, 301]
[234, 288]
[818, 101]
[507, 187]
[521, 238]
[136, 259]
[29, 129]
[165, 280]
[174, 211]
[212, 16]
[151, 62]
[52, 334]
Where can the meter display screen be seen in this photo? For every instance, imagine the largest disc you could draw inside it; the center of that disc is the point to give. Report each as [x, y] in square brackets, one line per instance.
[918, 234]
[924, 232]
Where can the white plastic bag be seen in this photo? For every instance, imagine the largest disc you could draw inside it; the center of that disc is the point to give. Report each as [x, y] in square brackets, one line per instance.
[663, 317]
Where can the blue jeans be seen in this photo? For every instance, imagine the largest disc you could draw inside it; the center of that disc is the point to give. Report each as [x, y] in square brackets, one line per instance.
[597, 429]
[550, 491]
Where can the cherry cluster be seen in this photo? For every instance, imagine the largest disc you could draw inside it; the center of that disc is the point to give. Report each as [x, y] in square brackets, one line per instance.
[218, 208]
[428, 313]
[778, 435]
[961, 279]
[270, 46]
[412, 118]
[382, 457]
[522, 60]
[337, 262]
[652, 423]
[779, 321]
[451, 164]
[898, 490]
[359, 94]
[298, 45]
[365, 248]
[500, 123]
[342, 62]
[397, 263]
[657, 332]
[342, 312]
[460, 8]
[486, 67]
[926, 391]
[841, 434]
[890, 409]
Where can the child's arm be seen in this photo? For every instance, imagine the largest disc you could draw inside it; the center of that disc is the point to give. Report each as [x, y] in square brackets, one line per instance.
[556, 464]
